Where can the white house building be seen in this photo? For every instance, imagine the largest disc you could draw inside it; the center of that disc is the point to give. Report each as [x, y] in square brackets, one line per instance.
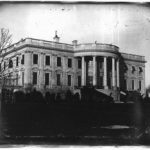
[56, 67]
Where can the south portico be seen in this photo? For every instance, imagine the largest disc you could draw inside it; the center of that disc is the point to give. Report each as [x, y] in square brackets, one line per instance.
[100, 67]
[101, 72]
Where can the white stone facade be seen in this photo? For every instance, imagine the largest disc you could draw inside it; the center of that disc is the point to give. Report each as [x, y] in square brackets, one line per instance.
[55, 67]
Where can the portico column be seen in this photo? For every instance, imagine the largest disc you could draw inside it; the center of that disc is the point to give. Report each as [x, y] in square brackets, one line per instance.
[83, 71]
[113, 72]
[94, 70]
[105, 73]
[118, 82]
[27, 72]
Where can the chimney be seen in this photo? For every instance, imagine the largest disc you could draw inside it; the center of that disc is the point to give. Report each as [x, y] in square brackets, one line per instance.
[74, 42]
[56, 37]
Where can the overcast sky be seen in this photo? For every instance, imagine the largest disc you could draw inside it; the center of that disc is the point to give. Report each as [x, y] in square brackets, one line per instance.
[125, 25]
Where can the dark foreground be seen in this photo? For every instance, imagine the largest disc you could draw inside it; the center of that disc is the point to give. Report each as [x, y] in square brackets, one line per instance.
[75, 124]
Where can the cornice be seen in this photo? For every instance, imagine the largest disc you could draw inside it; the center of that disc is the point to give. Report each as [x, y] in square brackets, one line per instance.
[95, 50]
[141, 61]
[68, 51]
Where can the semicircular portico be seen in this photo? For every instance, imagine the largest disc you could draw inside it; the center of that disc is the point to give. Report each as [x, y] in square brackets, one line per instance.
[100, 65]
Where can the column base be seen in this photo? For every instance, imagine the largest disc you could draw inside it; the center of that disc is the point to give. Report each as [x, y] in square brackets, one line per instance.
[106, 87]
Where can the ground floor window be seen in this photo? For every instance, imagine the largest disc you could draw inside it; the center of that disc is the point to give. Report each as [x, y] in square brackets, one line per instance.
[34, 78]
[58, 79]
[79, 81]
[46, 78]
[132, 84]
[69, 80]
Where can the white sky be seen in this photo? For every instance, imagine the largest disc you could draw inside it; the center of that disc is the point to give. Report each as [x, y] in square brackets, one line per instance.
[125, 25]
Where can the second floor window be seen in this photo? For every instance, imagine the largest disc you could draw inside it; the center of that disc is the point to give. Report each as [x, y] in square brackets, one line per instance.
[140, 70]
[58, 61]
[34, 78]
[22, 60]
[35, 59]
[133, 69]
[47, 60]
[17, 61]
[10, 63]
[69, 63]
[4, 65]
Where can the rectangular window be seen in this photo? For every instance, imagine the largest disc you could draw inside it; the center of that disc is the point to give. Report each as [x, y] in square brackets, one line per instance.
[133, 69]
[46, 78]
[35, 59]
[79, 63]
[79, 81]
[16, 79]
[125, 84]
[22, 60]
[139, 85]
[69, 80]
[10, 63]
[22, 78]
[132, 84]
[58, 79]
[4, 65]
[17, 61]
[47, 60]
[58, 61]
[140, 70]
[69, 63]
[34, 78]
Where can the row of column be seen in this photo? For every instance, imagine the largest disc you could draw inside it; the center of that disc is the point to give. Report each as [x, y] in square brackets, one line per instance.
[105, 72]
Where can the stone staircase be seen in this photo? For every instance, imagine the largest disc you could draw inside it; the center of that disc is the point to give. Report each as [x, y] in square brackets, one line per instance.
[110, 92]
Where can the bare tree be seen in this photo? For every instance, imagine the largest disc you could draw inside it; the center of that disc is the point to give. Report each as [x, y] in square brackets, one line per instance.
[5, 38]
[5, 41]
